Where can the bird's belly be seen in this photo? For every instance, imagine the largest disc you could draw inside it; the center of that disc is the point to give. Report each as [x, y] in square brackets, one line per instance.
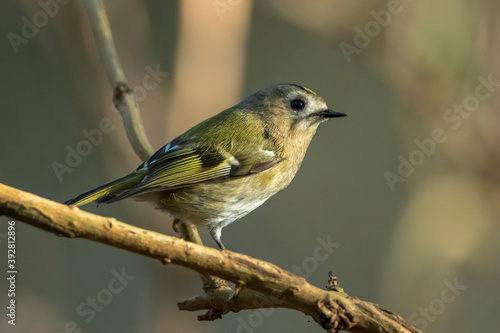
[216, 202]
[234, 211]
[221, 203]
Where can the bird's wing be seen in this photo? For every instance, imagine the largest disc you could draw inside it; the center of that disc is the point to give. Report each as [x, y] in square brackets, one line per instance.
[179, 165]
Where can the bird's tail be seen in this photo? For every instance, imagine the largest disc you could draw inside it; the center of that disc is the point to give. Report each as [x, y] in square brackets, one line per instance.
[107, 191]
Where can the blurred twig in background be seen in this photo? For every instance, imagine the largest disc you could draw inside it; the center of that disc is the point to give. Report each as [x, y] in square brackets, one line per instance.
[123, 95]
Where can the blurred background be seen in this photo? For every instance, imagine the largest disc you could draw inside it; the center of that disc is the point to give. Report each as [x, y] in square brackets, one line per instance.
[405, 190]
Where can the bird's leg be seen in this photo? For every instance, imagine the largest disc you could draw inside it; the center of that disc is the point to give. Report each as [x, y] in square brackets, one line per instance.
[216, 233]
[221, 246]
[186, 230]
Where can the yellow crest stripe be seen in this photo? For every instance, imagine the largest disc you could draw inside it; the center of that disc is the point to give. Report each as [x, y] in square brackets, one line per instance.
[309, 90]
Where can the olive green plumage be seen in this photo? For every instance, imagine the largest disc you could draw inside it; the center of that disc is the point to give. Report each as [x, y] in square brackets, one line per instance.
[226, 166]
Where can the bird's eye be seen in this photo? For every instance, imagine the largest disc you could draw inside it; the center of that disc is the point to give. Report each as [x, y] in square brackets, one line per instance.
[297, 104]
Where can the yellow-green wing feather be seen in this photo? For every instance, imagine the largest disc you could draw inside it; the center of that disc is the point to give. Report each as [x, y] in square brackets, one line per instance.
[221, 148]
[189, 166]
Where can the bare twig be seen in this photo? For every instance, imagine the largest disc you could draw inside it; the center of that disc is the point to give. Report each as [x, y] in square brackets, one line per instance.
[278, 288]
[123, 95]
[124, 101]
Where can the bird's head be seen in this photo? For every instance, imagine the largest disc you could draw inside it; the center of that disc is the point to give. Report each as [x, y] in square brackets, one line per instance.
[291, 107]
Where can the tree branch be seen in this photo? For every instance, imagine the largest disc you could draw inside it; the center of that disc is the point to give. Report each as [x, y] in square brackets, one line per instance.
[123, 96]
[332, 310]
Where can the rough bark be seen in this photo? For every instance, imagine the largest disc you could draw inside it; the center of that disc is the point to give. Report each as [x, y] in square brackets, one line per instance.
[259, 284]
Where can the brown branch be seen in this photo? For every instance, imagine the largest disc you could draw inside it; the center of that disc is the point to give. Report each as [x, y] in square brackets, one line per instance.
[278, 288]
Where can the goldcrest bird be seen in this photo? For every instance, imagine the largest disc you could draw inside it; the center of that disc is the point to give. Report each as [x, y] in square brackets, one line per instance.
[228, 165]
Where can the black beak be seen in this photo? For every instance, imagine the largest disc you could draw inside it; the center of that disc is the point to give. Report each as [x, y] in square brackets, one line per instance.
[331, 114]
